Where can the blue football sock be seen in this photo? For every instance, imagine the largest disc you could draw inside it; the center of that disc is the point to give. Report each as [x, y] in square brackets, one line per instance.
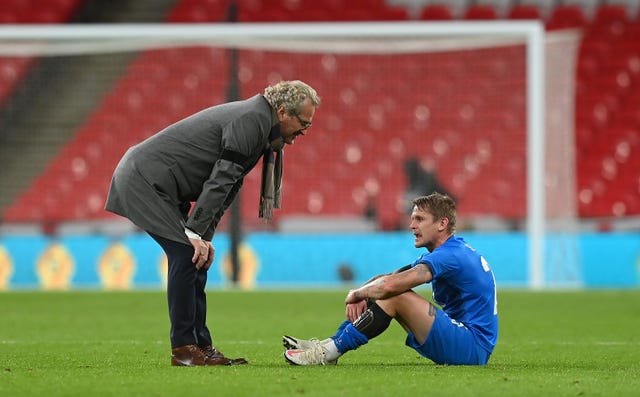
[349, 339]
[341, 328]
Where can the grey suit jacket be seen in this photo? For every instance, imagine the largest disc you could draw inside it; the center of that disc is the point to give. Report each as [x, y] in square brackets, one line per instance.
[202, 158]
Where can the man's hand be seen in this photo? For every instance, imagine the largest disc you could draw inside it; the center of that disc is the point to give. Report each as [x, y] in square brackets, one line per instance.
[355, 310]
[203, 253]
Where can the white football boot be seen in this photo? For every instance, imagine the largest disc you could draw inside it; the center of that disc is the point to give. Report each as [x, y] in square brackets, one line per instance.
[314, 353]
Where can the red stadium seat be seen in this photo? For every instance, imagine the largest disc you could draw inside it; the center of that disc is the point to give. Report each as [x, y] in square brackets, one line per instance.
[524, 11]
[566, 16]
[608, 13]
[480, 12]
[436, 12]
[392, 14]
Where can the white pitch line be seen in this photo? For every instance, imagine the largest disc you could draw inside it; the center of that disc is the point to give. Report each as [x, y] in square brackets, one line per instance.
[262, 342]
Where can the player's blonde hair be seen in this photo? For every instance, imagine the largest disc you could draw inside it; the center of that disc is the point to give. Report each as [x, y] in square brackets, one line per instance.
[440, 206]
[291, 94]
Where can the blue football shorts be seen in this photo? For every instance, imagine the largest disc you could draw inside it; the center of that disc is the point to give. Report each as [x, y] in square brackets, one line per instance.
[450, 342]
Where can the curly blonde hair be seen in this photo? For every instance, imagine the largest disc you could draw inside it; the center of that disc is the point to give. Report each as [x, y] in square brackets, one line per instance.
[291, 94]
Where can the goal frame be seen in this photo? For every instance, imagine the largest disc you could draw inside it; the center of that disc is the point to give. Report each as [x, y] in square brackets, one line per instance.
[251, 35]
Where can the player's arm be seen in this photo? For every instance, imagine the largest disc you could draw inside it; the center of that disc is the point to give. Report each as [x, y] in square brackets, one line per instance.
[402, 269]
[355, 309]
[392, 284]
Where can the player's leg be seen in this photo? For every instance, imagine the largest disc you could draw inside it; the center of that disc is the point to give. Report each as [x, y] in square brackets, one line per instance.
[432, 333]
[447, 341]
[350, 336]
[371, 323]
[413, 312]
[407, 308]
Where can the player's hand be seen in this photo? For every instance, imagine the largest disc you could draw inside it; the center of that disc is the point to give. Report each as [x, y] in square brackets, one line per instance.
[203, 253]
[355, 310]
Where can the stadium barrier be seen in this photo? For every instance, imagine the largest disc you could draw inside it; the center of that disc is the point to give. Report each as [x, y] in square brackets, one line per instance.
[291, 260]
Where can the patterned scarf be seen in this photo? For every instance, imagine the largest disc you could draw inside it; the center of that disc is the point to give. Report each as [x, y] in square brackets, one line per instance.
[271, 183]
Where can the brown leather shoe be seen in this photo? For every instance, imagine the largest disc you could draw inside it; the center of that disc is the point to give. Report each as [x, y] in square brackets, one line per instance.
[214, 357]
[187, 356]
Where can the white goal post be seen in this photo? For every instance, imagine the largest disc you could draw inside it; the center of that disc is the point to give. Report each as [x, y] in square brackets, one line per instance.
[25, 40]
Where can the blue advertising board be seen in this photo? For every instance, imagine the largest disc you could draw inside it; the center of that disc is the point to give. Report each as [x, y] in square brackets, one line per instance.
[274, 260]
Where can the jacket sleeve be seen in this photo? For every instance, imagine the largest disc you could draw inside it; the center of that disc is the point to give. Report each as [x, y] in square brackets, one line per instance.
[208, 235]
[242, 140]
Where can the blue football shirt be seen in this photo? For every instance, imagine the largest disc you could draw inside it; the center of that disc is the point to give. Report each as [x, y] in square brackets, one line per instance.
[464, 287]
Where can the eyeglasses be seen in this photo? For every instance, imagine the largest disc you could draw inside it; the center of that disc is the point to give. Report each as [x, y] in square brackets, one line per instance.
[305, 124]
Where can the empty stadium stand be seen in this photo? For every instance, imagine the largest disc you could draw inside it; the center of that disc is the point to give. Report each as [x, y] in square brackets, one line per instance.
[13, 69]
[607, 116]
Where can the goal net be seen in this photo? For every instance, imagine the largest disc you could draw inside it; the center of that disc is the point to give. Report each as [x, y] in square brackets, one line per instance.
[483, 109]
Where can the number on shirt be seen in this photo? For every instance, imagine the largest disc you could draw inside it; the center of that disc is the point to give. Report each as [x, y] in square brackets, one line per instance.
[485, 266]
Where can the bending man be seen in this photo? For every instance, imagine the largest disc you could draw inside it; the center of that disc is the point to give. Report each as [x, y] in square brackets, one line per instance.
[204, 159]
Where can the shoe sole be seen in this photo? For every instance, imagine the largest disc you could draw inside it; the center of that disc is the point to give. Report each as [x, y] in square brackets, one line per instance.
[184, 363]
[332, 362]
[287, 359]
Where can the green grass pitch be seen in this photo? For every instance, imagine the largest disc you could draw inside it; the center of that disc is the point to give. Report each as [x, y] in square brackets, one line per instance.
[578, 343]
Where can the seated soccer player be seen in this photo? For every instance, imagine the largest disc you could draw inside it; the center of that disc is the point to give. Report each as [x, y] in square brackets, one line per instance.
[461, 330]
